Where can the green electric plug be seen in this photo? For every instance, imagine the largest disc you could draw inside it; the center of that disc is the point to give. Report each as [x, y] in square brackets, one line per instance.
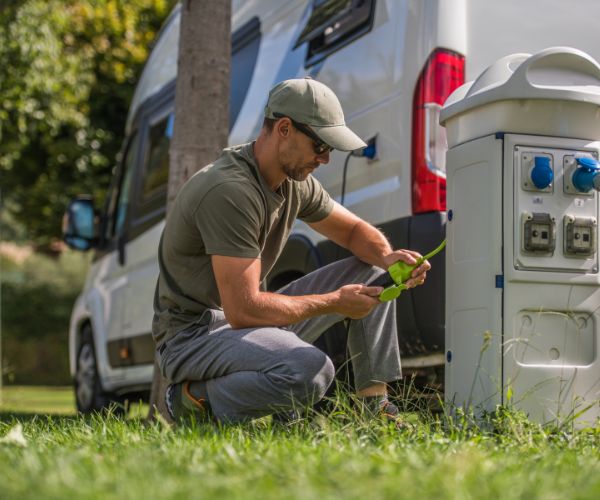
[400, 272]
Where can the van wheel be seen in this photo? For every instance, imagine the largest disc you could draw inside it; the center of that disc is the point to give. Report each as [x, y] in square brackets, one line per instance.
[89, 395]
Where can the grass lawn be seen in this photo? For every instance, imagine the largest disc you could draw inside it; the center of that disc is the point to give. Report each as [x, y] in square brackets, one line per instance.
[30, 400]
[342, 454]
[47, 400]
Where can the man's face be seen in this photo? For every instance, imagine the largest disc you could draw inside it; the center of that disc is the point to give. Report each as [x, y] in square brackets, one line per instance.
[298, 157]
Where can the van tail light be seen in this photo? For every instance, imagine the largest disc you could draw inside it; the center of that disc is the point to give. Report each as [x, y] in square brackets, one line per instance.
[444, 71]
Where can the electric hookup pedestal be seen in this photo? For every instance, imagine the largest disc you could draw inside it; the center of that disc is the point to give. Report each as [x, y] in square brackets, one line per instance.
[522, 281]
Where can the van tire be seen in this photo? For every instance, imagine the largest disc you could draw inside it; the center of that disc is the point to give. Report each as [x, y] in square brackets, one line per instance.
[90, 397]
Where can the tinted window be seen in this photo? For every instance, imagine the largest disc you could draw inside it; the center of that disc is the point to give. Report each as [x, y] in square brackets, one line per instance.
[118, 198]
[125, 191]
[156, 169]
[244, 52]
[333, 24]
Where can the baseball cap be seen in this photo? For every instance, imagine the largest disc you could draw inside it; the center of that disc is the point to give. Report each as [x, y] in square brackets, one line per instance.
[312, 103]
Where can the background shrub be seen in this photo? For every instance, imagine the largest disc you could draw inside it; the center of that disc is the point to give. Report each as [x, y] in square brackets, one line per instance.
[37, 298]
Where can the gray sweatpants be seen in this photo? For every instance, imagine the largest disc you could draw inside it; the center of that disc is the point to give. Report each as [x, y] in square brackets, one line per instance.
[252, 372]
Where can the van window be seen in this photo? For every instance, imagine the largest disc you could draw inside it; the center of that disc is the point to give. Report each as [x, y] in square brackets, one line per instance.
[125, 191]
[156, 169]
[118, 197]
[244, 53]
[334, 24]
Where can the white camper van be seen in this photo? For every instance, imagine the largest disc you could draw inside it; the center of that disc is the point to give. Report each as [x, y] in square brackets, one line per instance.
[392, 64]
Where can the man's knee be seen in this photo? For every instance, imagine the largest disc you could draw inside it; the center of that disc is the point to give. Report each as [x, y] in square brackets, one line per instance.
[309, 372]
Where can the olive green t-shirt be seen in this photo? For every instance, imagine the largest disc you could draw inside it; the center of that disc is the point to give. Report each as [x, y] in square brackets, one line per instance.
[226, 209]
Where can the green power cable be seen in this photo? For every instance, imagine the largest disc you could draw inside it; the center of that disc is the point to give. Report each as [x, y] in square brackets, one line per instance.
[400, 272]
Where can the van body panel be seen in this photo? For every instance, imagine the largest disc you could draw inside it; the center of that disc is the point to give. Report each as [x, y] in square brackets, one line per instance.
[142, 265]
[161, 67]
[362, 73]
[279, 30]
[497, 29]
[111, 283]
[369, 79]
[375, 190]
[451, 26]
[89, 307]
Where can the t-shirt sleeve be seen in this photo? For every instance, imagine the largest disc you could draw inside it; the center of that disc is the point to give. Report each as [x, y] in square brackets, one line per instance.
[315, 202]
[229, 218]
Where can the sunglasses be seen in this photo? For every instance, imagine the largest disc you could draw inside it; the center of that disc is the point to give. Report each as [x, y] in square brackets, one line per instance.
[319, 146]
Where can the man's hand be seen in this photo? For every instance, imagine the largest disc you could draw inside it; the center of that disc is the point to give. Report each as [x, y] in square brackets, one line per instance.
[356, 301]
[410, 257]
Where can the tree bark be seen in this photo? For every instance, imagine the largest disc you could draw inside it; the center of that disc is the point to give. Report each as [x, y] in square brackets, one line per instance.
[201, 125]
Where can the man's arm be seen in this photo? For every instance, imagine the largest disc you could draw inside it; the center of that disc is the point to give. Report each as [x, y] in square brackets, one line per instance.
[244, 305]
[366, 242]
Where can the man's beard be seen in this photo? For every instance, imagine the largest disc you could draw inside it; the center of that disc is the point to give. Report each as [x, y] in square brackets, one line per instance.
[296, 174]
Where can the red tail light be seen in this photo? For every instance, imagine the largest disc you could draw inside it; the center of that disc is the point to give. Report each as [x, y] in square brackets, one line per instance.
[443, 72]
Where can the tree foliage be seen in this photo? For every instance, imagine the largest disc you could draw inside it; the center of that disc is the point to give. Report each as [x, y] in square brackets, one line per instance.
[69, 69]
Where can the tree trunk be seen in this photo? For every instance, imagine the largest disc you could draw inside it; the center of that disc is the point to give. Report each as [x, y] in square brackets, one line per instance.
[201, 125]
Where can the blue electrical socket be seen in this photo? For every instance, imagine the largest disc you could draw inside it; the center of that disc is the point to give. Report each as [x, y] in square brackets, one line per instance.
[370, 151]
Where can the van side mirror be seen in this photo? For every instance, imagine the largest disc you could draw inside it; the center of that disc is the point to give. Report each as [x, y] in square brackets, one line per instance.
[79, 224]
